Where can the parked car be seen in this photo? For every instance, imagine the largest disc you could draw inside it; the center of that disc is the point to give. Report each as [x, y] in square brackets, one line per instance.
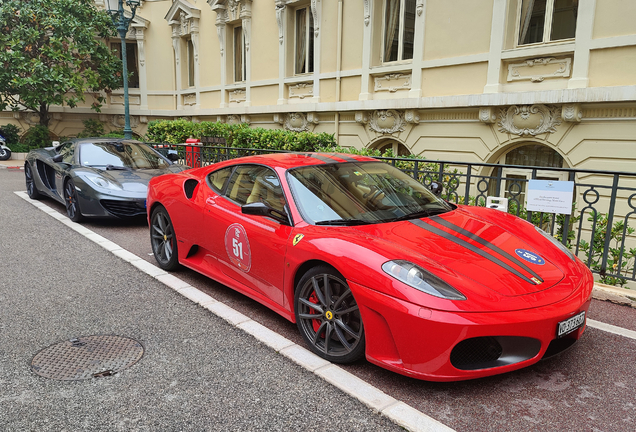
[96, 177]
[369, 262]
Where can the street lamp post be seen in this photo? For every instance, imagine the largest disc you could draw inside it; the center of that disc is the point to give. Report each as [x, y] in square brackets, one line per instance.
[122, 22]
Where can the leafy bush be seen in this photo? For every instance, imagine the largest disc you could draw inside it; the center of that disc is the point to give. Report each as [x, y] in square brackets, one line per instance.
[238, 135]
[37, 137]
[92, 128]
[616, 247]
[11, 134]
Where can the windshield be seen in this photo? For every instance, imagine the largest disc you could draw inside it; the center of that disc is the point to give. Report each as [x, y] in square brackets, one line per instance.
[121, 155]
[360, 193]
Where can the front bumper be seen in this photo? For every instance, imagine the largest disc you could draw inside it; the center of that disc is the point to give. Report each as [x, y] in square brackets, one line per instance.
[449, 346]
[120, 204]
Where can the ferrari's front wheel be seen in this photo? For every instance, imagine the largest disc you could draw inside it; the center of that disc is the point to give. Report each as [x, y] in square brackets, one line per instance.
[32, 189]
[328, 316]
[72, 202]
[163, 239]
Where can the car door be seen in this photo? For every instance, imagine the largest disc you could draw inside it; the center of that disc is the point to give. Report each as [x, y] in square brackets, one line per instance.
[250, 249]
[67, 150]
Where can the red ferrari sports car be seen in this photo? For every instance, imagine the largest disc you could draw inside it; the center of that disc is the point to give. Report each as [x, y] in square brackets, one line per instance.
[369, 262]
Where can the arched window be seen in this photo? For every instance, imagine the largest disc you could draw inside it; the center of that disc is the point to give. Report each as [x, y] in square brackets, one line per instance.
[399, 149]
[515, 179]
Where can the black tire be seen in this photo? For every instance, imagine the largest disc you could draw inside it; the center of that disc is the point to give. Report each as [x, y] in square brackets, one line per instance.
[72, 202]
[328, 316]
[5, 154]
[163, 239]
[32, 189]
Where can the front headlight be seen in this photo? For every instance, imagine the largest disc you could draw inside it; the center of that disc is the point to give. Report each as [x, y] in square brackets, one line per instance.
[100, 181]
[555, 242]
[418, 278]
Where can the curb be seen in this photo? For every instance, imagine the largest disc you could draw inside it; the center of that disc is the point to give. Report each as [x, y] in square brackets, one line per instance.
[614, 294]
[400, 413]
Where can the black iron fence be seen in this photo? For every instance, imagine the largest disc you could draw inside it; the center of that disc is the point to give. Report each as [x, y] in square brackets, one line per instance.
[598, 230]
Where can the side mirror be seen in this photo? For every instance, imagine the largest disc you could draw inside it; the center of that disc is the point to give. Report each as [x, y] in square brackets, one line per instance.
[173, 157]
[57, 158]
[436, 188]
[262, 209]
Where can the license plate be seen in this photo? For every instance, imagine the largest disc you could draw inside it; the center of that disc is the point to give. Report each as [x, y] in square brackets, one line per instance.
[569, 325]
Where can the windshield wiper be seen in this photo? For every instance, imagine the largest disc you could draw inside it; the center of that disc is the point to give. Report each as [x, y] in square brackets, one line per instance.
[346, 222]
[113, 167]
[420, 214]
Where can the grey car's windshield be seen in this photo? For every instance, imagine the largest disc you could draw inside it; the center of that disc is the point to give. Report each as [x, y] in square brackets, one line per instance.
[120, 155]
[357, 193]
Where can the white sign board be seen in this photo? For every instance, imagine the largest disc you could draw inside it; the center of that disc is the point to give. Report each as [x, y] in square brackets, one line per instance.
[550, 196]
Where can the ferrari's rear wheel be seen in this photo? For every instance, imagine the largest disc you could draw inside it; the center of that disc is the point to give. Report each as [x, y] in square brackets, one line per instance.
[72, 202]
[328, 316]
[32, 189]
[163, 239]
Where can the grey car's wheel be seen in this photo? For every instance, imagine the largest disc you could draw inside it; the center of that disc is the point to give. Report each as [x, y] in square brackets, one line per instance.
[32, 189]
[163, 239]
[72, 202]
[328, 316]
[5, 154]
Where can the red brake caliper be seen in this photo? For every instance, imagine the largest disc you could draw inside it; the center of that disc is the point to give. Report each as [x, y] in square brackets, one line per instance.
[313, 299]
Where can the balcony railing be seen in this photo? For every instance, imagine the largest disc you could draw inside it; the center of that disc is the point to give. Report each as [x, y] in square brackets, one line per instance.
[602, 200]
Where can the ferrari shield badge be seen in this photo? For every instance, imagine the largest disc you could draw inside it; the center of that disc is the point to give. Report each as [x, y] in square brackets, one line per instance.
[238, 247]
[298, 238]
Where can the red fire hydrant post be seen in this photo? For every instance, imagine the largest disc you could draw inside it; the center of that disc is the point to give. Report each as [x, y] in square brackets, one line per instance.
[193, 152]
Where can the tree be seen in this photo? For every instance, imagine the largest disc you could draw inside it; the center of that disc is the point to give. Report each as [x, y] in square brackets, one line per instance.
[52, 52]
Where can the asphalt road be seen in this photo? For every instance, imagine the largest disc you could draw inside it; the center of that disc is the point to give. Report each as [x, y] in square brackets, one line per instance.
[591, 387]
[198, 372]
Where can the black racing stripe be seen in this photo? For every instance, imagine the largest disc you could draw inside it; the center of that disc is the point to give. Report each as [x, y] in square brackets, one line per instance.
[483, 242]
[470, 247]
[321, 157]
[345, 157]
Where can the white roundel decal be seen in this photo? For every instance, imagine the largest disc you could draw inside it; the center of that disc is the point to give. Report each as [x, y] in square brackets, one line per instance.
[238, 247]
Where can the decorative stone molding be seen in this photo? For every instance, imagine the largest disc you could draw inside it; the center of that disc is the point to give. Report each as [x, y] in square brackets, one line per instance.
[392, 82]
[296, 122]
[420, 7]
[316, 16]
[118, 99]
[221, 119]
[313, 118]
[119, 121]
[610, 113]
[143, 119]
[386, 121]
[233, 119]
[530, 120]
[279, 118]
[487, 115]
[57, 116]
[184, 20]
[190, 99]
[537, 70]
[301, 90]
[411, 116]
[362, 117]
[572, 113]
[105, 118]
[280, 20]
[238, 96]
[367, 12]
[229, 11]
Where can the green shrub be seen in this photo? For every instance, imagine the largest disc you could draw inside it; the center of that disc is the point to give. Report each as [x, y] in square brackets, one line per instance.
[37, 137]
[11, 135]
[92, 128]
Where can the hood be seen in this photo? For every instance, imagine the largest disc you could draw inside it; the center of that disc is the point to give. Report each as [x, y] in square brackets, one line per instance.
[482, 251]
[130, 180]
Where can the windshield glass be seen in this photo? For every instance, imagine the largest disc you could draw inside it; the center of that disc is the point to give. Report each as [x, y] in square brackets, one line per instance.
[121, 155]
[360, 193]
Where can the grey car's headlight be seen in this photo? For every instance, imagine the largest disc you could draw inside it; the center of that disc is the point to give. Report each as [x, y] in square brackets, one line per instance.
[555, 242]
[100, 181]
[420, 279]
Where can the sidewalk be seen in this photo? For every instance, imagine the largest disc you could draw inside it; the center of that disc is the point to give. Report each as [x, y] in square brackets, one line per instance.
[12, 164]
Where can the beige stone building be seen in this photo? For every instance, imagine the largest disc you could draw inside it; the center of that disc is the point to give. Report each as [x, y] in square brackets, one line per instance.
[541, 82]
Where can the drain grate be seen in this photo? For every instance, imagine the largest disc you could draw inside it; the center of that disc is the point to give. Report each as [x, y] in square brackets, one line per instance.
[87, 357]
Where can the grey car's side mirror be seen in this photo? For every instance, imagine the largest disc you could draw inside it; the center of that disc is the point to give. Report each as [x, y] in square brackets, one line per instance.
[436, 188]
[57, 158]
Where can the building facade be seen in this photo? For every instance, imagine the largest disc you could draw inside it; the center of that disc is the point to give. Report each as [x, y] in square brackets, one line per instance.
[532, 82]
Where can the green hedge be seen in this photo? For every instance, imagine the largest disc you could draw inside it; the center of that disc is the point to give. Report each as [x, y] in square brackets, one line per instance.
[237, 135]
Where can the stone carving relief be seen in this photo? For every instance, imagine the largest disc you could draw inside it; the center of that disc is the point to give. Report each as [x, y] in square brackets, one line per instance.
[411, 116]
[530, 120]
[297, 122]
[420, 7]
[238, 96]
[571, 113]
[392, 82]
[190, 99]
[362, 117]
[119, 121]
[184, 20]
[386, 121]
[487, 115]
[228, 11]
[301, 90]
[280, 20]
[367, 12]
[537, 70]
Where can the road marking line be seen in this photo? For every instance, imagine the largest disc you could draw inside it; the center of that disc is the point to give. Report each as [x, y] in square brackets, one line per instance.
[612, 329]
[374, 398]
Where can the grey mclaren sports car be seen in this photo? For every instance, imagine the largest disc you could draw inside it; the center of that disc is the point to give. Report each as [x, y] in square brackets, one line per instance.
[96, 177]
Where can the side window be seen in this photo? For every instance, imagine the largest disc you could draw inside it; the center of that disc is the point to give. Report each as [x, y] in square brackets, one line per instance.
[253, 183]
[542, 21]
[67, 150]
[217, 179]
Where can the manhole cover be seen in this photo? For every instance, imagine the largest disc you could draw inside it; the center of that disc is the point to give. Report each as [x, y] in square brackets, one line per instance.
[87, 357]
